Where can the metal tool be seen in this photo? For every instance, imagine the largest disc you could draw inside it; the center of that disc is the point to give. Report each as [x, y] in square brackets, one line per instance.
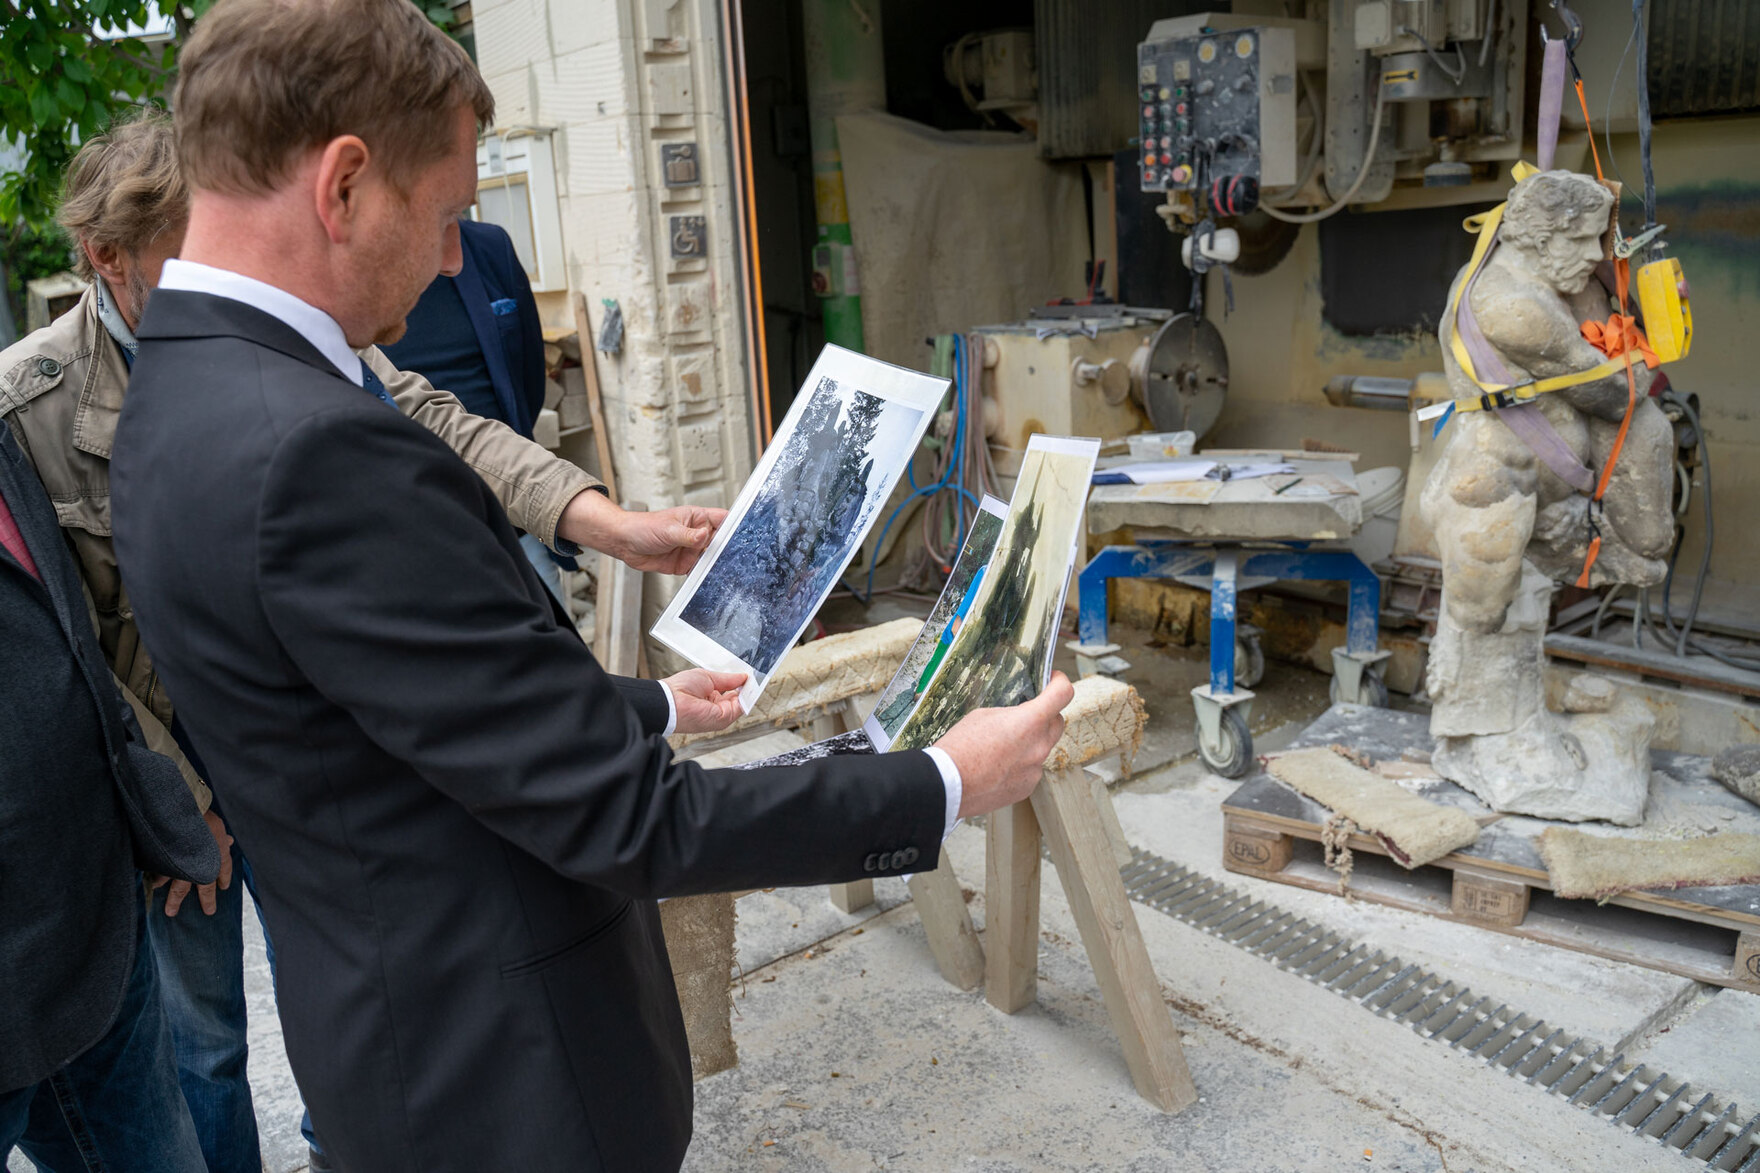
[1181, 375]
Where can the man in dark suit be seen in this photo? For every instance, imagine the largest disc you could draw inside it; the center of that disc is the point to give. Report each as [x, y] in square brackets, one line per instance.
[477, 334]
[87, 1075]
[458, 821]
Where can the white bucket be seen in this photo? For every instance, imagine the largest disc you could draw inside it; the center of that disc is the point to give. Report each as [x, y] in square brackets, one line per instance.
[1383, 493]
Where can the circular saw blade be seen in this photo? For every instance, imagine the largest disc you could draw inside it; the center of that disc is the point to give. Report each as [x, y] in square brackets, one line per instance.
[1186, 377]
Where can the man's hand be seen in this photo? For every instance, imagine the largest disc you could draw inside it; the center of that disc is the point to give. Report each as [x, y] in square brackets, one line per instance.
[705, 701]
[668, 541]
[1001, 752]
[205, 892]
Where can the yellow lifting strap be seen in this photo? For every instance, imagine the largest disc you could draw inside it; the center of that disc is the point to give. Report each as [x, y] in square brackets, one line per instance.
[1495, 395]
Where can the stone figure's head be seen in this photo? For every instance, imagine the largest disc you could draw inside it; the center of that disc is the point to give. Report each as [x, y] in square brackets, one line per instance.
[1557, 220]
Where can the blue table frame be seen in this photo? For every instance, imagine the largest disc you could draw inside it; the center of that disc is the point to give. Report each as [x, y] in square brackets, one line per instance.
[1225, 565]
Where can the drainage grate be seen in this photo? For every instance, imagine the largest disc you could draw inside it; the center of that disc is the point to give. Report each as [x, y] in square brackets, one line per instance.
[1637, 1097]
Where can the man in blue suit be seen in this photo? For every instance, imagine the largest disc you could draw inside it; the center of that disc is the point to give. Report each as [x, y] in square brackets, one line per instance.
[478, 336]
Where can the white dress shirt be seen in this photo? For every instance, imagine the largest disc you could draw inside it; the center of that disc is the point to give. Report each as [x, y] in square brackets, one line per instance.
[325, 335]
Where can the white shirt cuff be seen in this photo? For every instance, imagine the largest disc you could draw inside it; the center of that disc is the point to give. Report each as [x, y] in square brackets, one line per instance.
[672, 710]
[951, 780]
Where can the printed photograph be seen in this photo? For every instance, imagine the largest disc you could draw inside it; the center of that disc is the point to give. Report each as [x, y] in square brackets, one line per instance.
[1002, 653]
[833, 472]
[944, 622]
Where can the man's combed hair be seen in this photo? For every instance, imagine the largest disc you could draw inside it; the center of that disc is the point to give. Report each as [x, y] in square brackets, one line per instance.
[124, 188]
[263, 81]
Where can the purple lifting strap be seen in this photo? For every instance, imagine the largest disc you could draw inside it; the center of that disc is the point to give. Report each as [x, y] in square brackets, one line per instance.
[1551, 103]
[1526, 421]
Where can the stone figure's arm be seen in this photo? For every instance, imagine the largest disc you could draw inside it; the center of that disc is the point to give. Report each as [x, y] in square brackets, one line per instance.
[1539, 335]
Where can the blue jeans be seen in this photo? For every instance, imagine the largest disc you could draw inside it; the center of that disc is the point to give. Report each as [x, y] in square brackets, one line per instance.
[200, 960]
[116, 1106]
[546, 566]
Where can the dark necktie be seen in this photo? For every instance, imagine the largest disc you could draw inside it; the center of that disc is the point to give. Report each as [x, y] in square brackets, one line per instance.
[371, 382]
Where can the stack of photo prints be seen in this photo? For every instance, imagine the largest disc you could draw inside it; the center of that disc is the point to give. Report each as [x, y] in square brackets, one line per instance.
[807, 509]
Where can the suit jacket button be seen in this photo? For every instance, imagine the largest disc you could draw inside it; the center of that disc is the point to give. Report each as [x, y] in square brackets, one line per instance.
[907, 857]
[49, 367]
[871, 864]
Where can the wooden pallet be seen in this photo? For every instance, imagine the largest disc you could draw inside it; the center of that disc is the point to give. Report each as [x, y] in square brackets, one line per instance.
[1711, 935]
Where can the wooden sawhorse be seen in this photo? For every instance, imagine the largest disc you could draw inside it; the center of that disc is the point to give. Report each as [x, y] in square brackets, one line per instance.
[1071, 813]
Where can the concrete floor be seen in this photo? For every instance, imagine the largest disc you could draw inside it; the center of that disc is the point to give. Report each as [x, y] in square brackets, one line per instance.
[856, 1055]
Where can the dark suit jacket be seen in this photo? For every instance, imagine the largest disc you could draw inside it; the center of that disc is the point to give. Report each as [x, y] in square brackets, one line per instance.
[459, 823]
[497, 300]
[84, 805]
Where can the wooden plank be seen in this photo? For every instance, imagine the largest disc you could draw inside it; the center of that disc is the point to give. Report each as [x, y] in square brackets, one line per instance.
[1079, 848]
[1121, 847]
[605, 576]
[1660, 903]
[1745, 971]
[620, 597]
[1700, 671]
[1011, 908]
[1702, 962]
[952, 940]
[853, 896]
[1487, 899]
[595, 403]
[1253, 850]
[857, 894]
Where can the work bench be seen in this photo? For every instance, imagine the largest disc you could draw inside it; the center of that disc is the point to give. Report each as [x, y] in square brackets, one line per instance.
[1228, 536]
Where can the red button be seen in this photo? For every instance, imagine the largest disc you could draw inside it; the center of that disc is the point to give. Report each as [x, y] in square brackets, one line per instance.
[1166, 159]
[1180, 109]
[1148, 111]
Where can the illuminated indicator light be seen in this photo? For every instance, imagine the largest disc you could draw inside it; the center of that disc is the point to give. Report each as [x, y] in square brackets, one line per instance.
[1207, 52]
[1244, 47]
[1148, 111]
[1180, 109]
[1164, 94]
[1166, 159]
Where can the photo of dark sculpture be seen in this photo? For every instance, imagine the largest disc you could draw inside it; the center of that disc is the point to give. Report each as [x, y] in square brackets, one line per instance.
[814, 506]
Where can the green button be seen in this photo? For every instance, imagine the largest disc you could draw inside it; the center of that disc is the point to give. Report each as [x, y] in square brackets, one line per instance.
[49, 367]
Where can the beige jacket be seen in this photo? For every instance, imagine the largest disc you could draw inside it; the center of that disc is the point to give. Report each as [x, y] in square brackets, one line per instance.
[61, 389]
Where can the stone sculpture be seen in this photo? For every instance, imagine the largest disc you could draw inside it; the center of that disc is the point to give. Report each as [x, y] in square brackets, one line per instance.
[1512, 514]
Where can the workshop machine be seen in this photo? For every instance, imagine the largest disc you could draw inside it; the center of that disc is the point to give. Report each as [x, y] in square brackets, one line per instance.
[1101, 370]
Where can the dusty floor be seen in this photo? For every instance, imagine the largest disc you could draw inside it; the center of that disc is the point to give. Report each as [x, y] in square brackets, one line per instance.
[856, 1055]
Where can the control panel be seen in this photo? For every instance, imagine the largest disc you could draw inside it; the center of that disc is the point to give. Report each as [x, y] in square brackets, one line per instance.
[1217, 112]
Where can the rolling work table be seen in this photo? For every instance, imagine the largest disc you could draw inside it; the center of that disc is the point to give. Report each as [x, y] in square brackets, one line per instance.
[1229, 536]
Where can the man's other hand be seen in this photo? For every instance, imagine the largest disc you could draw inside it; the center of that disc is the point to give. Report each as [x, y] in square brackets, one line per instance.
[668, 541]
[705, 701]
[1001, 752]
[204, 892]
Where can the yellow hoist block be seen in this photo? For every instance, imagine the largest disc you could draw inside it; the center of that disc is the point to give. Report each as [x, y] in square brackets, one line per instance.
[1668, 317]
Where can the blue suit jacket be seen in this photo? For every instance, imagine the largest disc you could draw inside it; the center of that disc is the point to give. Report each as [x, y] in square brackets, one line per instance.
[513, 350]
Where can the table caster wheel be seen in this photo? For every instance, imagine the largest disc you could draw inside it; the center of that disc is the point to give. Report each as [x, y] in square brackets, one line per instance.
[1233, 752]
[1249, 663]
[1371, 691]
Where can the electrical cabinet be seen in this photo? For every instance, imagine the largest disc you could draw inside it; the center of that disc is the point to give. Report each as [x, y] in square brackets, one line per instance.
[1217, 110]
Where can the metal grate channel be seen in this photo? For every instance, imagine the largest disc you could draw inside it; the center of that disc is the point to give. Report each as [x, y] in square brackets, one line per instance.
[1634, 1096]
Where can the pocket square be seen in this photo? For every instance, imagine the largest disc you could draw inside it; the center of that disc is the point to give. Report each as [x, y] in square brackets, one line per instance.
[504, 305]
